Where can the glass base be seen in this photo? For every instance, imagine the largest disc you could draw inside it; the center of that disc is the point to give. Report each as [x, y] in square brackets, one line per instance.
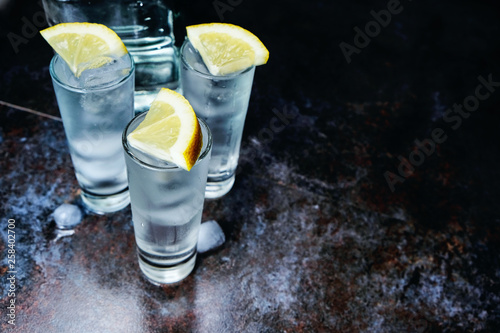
[166, 275]
[217, 189]
[103, 204]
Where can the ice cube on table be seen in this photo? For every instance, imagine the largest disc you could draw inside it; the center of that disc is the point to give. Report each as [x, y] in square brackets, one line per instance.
[210, 236]
[67, 216]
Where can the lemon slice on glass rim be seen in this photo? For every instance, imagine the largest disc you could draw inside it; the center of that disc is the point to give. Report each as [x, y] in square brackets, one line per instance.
[170, 131]
[84, 45]
[227, 48]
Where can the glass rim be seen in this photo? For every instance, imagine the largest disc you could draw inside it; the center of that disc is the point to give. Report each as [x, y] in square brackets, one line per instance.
[173, 167]
[209, 75]
[56, 78]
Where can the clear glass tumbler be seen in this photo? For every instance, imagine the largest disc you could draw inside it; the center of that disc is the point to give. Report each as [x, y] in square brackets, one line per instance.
[146, 29]
[167, 204]
[94, 109]
[222, 101]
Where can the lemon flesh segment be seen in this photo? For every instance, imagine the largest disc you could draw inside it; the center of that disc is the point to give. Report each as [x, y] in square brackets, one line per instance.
[84, 45]
[224, 53]
[157, 111]
[227, 48]
[170, 131]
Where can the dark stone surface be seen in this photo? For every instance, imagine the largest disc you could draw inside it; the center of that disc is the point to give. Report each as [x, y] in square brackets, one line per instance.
[316, 241]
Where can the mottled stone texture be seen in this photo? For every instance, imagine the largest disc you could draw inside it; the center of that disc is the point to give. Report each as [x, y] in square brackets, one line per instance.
[316, 240]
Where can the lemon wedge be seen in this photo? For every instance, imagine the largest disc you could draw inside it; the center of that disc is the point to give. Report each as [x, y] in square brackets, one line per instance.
[84, 45]
[227, 48]
[170, 131]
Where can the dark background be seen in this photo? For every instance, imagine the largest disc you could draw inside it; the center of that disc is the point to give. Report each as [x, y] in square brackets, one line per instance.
[424, 257]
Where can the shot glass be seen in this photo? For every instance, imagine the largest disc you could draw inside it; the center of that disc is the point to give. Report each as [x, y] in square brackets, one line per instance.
[94, 109]
[146, 29]
[222, 101]
[167, 204]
